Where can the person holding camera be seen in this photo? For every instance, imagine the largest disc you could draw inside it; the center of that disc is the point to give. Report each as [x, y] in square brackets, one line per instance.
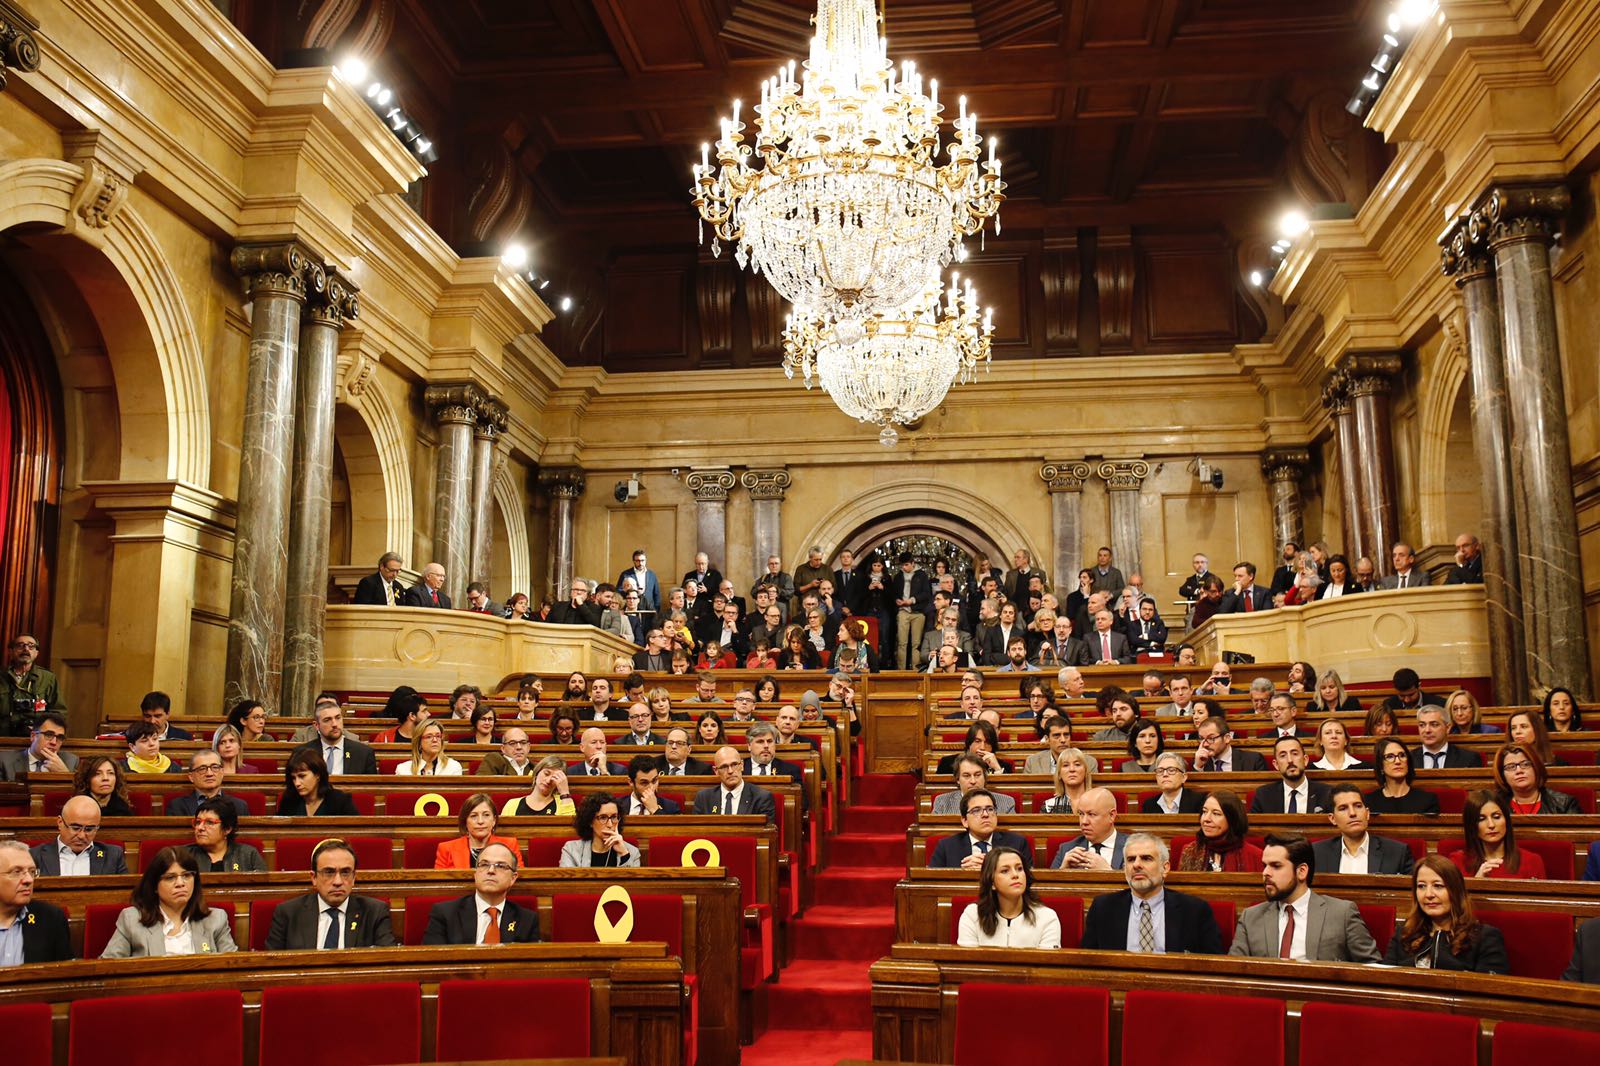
[29, 689]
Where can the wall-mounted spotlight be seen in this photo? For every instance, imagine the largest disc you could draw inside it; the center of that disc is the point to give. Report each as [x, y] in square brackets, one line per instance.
[380, 97]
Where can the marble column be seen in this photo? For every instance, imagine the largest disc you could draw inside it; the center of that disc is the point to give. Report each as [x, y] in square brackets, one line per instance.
[1283, 469]
[455, 407]
[767, 489]
[711, 486]
[1371, 376]
[1467, 260]
[563, 486]
[277, 278]
[1336, 398]
[485, 438]
[306, 602]
[1522, 223]
[1064, 480]
[1124, 478]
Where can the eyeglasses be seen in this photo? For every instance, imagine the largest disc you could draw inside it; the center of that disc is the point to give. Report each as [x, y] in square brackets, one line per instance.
[1169, 771]
[980, 811]
[607, 817]
[51, 734]
[74, 827]
[1395, 756]
[721, 766]
[180, 878]
[497, 867]
[516, 743]
[23, 644]
[207, 823]
[20, 872]
[208, 768]
[1513, 767]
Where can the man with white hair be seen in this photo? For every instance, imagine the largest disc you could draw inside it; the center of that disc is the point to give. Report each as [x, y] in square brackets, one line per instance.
[30, 930]
[429, 591]
[1147, 916]
[576, 610]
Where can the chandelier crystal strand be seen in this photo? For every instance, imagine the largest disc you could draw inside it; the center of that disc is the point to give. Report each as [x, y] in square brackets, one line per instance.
[841, 201]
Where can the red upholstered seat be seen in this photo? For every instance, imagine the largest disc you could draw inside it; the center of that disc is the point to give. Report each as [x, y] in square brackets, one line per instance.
[261, 922]
[531, 1019]
[417, 908]
[99, 922]
[374, 1024]
[1538, 943]
[987, 1031]
[29, 1033]
[103, 1030]
[1336, 1034]
[1518, 1043]
[372, 853]
[420, 852]
[54, 801]
[1379, 918]
[1451, 800]
[545, 851]
[1226, 915]
[1417, 845]
[1069, 911]
[1156, 1025]
[404, 804]
[757, 960]
[366, 802]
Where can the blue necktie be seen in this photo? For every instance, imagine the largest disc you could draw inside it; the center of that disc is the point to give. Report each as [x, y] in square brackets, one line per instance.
[332, 939]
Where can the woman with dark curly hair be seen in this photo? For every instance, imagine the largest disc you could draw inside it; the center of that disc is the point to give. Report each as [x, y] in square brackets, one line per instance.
[1441, 932]
[100, 778]
[599, 824]
[1220, 844]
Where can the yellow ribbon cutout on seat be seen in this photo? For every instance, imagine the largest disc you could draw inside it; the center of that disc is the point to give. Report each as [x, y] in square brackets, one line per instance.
[604, 931]
[696, 847]
[421, 810]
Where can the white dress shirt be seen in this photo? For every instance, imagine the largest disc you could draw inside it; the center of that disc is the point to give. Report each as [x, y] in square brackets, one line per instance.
[1170, 808]
[1356, 862]
[180, 940]
[1333, 591]
[333, 755]
[323, 920]
[1303, 794]
[723, 799]
[1297, 943]
[73, 863]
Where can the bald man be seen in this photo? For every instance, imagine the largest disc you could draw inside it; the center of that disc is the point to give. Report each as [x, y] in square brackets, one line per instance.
[429, 592]
[74, 852]
[733, 794]
[1098, 845]
[592, 742]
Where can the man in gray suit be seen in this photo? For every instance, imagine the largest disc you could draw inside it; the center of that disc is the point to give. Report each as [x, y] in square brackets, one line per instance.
[43, 755]
[1295, 922]
[1098, 845]
[1405, 575]
[1354, 850]
[74, 852]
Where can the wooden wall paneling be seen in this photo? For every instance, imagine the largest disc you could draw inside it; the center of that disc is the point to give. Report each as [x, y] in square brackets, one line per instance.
[1114, 280]
[1003, 284]
[1187, 289]
[1061, 279]
[647, 297]
[766, 311]
[716, 280]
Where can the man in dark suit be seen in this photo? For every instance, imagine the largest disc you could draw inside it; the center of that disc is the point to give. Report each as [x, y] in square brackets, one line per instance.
[594, 763]
[43, 754]
[657, 656]
[644, 778]
[1585, 964]
[1283, 576]
[645, 580]
[1147, 633]
[639, 732]
[1469, 562]
[205, 775]
[1285, 713]
[74, 848]
[677, 761]
[1246, 595]
[1022, 571]
[1294, 922]
[1354, 850]
[966, 850]
[1107, 647]
[45, 937]
[1435, 751]
[1190, 589]
[1295, 793]
[1098, 845]
[846, 580]
[704, 574]
[331, 916]
[342, 754]
[1406, 575]
[577, 609]
[1165, 921]
[382, 589]
[734, 795]
[429, 592]
[155, 710]
[1174, 798]
[485, 916]
[1216, 753]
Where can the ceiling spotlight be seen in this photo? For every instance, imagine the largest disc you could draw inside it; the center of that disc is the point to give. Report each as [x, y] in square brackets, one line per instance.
[1394, 23]
[352, 70]
[566, 303]
[383, 97]
[424, 151]
[373, 90]
[1415, 12]
[515, 256]
[1372, 81]
[1357, 105]
[1293, 224]
[1382, 62]
[1255, 278]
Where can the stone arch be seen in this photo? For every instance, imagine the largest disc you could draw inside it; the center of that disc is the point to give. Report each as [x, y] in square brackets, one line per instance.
[368, 432]
[933, 501]
[513, 520]
[151, 337]
[1436, 409]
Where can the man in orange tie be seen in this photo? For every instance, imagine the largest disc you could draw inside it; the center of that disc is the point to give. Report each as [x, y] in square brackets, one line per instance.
[487, 915]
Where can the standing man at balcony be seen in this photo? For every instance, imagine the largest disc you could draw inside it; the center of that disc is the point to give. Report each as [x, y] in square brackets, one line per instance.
[382, 589]
[428, 593]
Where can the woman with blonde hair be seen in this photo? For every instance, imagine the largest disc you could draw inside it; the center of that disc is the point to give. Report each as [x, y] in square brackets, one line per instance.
[1334, 739]
[427, 754]
[229, 746]
[548, 794]
[1331, 696]
[1461, 708]
[1073, 777]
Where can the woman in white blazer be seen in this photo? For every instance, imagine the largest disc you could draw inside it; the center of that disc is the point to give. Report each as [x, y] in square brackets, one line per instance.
[1008, 913]
[599, 843]
[169, 916]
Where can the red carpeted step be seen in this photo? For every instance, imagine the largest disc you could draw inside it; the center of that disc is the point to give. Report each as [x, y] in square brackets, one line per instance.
[884, 790]
[867, 849]
[833, 932]
[878, 819]
[822, 995]
[792, 1047]
[857, 886]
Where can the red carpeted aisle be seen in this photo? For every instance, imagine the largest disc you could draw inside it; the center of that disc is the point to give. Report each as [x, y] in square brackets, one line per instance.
[820, 1011]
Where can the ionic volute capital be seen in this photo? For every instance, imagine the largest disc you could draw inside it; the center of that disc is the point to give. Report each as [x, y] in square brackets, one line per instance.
[287, 268]
[1124, 475]
[710, 485]
[1064, 475]
[766, 484]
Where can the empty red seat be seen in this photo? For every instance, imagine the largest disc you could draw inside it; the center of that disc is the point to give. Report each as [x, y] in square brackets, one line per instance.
[1333, 1034]
[1519, 1043]
[384, 1024]
[1069, 911]
[109, 1029]
[99, 922]
[531, 1019]
[1226, 915]
[757, 960]
[261, 911]
[1451, 800]
[1538, 943]
[420, 852]
[1379, 919]
[1156, 1024]
[545, 851]
[29, 1033]
[987, 1029]
[372, 853]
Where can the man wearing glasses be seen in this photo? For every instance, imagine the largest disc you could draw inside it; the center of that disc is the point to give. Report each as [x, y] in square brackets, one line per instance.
[967, 850]
[678, 762]
[205, 776]
[512, 758]
[30, 931]
[331, 915]
[74, 852]
[486, 916]
[43, 755]
[25, 681]
[733, 794]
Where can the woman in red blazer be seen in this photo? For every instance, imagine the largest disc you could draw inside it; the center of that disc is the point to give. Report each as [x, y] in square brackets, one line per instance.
[477, 822]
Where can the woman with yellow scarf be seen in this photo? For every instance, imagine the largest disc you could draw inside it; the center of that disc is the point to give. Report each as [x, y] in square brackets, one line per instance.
[144, 751]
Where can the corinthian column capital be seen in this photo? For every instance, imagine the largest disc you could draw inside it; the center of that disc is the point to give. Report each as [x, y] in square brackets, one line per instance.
[710, 485]
[287, 268]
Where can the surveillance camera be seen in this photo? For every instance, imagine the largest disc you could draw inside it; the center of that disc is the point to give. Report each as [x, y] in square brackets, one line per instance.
[1203, 468]
[1216, 478]
[626, 490]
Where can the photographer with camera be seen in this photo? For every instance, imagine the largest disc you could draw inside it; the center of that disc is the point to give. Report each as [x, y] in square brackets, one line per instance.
[29, 690]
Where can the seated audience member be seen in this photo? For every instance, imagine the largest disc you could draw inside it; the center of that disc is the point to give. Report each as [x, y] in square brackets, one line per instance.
[713, 656]
[307, 791]
[644, 777]
[1016, 656]
[1442, 932]
[339, 753]
[594, 762]
[1172, 773]
[1073, 776]
[1147, 916]
[529, 689]
[100, 778]
[249, 717]
[1285, 714]
[30, 930]
[1071, 685]
[409, 709]
[483, 721]
[548, 794]
[709, 728]
[971, 773]
[144, 751]
[1216, 753]
[1527, 728]
[1057, 732]
[1186, 656]
[1246, 595]
[155, 710]
[331, 915]
[678, 761]
[1340, 582]
[733, 794]
[1182, 695]
[705, 689]
[1008, 913]
[841, 694]
[1208, 602]
[169, 915]
[1381, 722]
[230, 749]
[1220, 845]
[1355, 850]
[205, 776]
[761, 740]
[1098, 845]
[1123, 710]
[682, 664]
[1200, 710]
[601, 709]
[1490, 842]
[1394, 768]
[74, 852]
[216, 824]
[787, 721]
[427, 754]
[518, 608]
[1294, 793]
[1519, 775]
[660, 701]
[639, 732]
[798, 653]
[656, 658]
[1261, 690]
[487, 915]
[982, 740]
[1464, 714]
[44, 754]
[768, 690]
[477, 823]
[464, 699]
[761, 656]
[1585, 965]
[1408, 695]
[512, 758]
[1331, 696]
[599, 822]
[1147, 633]
[968, 849]
[1434, 751]
[1107, 646]
[1334, 740]
[744, 706]
[1145, 745]
[1561, 713]
[1301, 679]
[1591, 868]
[853, 635]
[563, 728]
[1294, 922]
[971, 703]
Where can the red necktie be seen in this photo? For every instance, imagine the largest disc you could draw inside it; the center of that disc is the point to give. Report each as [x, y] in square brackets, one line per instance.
[491, 934]
[1105, 645]
[435, 594]
[1285, 946]
[1249, 601]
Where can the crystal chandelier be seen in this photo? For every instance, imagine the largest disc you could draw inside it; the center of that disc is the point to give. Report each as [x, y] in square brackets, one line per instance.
[897, 365]
[849, 208]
